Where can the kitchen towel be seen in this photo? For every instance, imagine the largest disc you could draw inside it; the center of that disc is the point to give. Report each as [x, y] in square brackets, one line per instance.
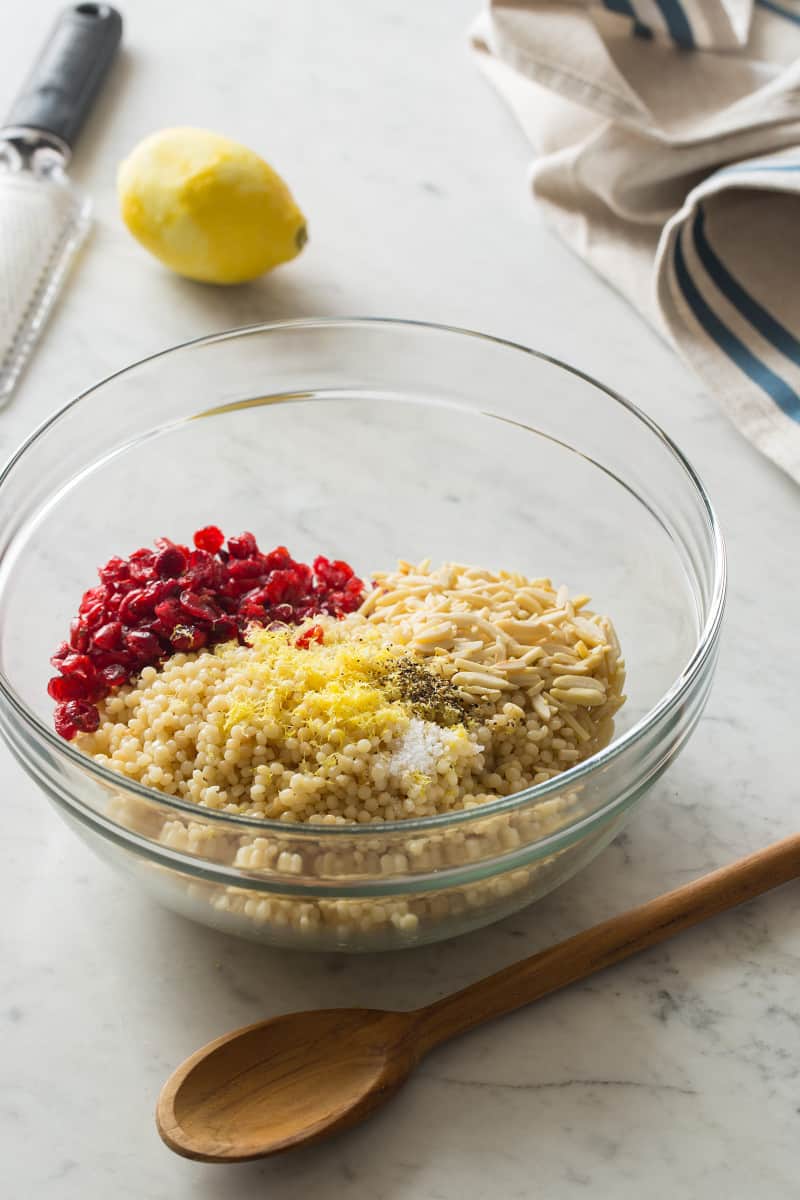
[667, 135]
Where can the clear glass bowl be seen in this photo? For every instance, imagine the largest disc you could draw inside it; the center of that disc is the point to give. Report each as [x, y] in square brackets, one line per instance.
[367, 440]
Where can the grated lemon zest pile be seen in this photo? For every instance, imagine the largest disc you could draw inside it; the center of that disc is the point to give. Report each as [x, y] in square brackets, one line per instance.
[333, 681]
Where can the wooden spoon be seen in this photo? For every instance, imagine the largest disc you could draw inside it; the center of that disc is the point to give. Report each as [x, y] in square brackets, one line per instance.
[297, 1078]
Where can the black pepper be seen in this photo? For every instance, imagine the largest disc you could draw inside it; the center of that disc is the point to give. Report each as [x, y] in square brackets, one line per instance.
[429, 695]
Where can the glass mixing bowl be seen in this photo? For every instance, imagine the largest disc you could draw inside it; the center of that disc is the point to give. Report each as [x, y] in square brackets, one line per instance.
[367, 440]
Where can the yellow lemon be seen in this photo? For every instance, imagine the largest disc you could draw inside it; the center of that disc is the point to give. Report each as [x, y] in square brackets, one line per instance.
[208, 207]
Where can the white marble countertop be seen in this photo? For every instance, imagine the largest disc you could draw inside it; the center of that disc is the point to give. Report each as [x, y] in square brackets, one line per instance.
[673, 1075]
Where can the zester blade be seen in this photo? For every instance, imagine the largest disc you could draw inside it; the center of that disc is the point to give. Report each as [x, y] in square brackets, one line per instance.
[43, 221]
[43, 217]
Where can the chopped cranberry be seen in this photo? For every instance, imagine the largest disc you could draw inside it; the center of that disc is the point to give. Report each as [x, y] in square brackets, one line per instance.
[168, 613]
[170, 563]
[333, 574]
[63, 650]
[279, 585]
[63, 724]
[94, 595]
[243, 546]
[245, 568]
[115, 570]
[314, 633]
[143, 644]
[76, 716]
[279, 557]
[197, 607]
[113, 675]
[132, 607]
[141, 568]
[224, 628]
[77, 664]
[252, 610]
[108, 637]
[210, 538]
[68, 688]
[157, 602]
[188, 637]
[237, 587]
[79, 636]
[94, 615]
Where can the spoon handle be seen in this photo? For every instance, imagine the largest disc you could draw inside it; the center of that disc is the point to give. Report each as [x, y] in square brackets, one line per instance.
[607, 943]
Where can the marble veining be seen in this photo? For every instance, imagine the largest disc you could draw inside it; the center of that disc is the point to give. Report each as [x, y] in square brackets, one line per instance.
[674, 1075]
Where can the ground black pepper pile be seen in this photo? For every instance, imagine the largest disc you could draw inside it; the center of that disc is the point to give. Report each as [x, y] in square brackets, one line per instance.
[430, 696]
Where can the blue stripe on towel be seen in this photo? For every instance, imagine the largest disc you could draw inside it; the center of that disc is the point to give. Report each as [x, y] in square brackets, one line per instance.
[769, 328]
[759, 166]
[677, 23]
[779, 10]
[625, 9]
[776, 388]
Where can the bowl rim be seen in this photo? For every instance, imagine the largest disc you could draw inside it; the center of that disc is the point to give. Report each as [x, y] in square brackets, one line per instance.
[601, 760]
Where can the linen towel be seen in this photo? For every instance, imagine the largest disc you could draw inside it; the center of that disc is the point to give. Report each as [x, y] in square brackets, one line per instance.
[667, 135]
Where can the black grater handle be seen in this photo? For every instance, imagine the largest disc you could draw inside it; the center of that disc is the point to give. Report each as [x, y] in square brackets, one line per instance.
[61, 88]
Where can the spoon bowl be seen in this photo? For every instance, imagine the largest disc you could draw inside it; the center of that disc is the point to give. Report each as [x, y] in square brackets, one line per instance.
[291, 1079]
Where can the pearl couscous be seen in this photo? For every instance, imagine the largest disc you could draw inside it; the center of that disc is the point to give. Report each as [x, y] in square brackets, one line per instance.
[446, 689]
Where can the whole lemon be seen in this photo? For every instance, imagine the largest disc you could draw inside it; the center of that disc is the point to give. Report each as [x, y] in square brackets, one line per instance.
[208, 207]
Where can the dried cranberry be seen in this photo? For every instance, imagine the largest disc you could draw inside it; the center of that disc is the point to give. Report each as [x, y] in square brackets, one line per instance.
[314, 633]
[95, 595]
[143, 644]
[277, 558]
[63, 724]
[197, 607]
[76, 716]
[142, 573]
[108, 637]
[68, 688]
[168, 613]
[252, 610]
[243, 546]
[188, 637]
[79, 635]
[94, 615]
[77, 664]
[133, 607]
[170, 563]
[245, 568]
[332, 574]
[114, 675]
[237, 587]
[278, 585]
[210, 538]
[115, 570]
[63, 650]
[224, 628]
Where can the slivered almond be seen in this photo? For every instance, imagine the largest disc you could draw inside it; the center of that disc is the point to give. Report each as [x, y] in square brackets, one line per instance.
[494, 633]
[590, 633]
[568, 681]
[429, 634]
[469, 679]
[575, 725]
[526, 633]
[580, 696]
[370, 602]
